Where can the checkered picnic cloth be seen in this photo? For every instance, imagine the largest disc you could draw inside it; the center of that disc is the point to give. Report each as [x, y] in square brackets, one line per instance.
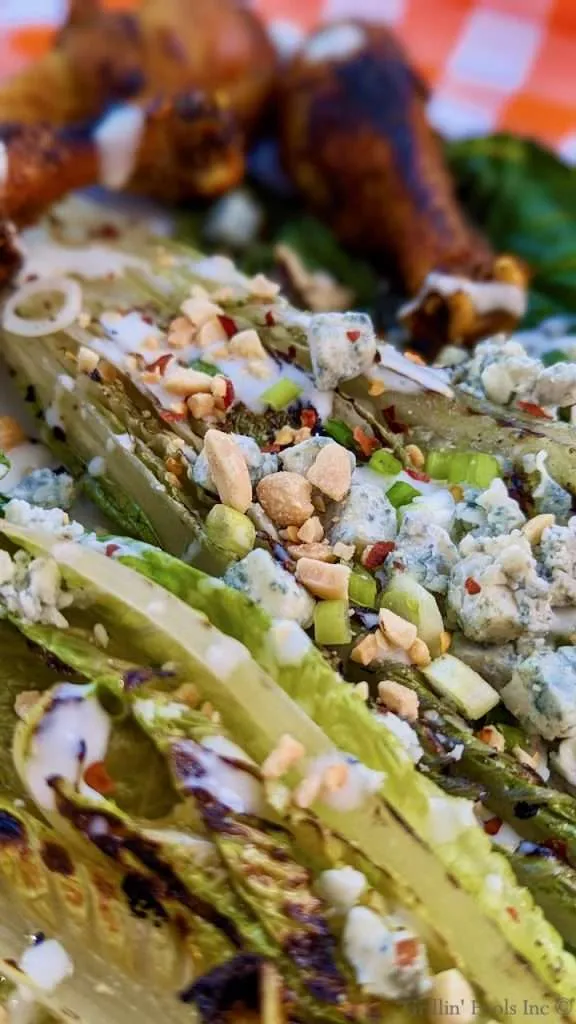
[506, 65]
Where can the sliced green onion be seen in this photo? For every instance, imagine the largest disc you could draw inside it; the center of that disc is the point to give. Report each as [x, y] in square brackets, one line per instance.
[331, 623]
[281, 394]
[340, 432]
[362, 588]
[401, 493]
[231, 531]
[203, 367]
[556, 355]
[384, 462]
[475, 468]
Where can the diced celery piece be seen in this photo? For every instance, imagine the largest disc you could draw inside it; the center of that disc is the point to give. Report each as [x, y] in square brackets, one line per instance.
[408, 598]
[362, 588]
[331, 623]
[482, 470]
[438, 464]
[340, 432]
[203, 367]
[231, 531]
[556, 355]
[450, 677]
[384, 462]
[459, 467]
[281, 394]
[401, 493]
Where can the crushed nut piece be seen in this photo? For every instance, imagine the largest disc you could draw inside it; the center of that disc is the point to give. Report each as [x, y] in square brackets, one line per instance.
[399, 699]
[302, 434]
[445, 641]
[415, 455]
[261, 287]
[285, 754]
[376, 388]
[307, 791]
[84, 319]
[101, 635]
[320, 552]
[370, 649]
[343, 551]
[259, 368]
[290, 533]
[311, 532]
[151, 342]
[457, 492]
[492, 737]
[535, 527]
[187, 694]
[396, 629]
[87, 359]
[200, 310]
[11, 433]
[284, 436]
[331, 471]
[228, 470]
[326, 581]
[25, 701]
[362, 690]
[200, 406]
[247, 345]
[188, 382]
[211, 332]
[419, 654]
[335, 777]
[285, 497]
[180, 333]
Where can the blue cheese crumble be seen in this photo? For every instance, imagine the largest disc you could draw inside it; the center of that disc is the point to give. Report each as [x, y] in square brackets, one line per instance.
[372, 946]
[260, 464]
[488, 513]
[495, 593]
[541, 693]
[547, 494]
[557, 558]
[31, 589]
[426, 552]
[366, 516]
[271, 586]
[299, 458]
[342, 346]
[46, 488]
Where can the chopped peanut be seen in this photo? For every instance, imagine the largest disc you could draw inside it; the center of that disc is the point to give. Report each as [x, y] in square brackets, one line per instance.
[247, 344]
[200, 406]
[219, 386]
[188, 382]
[535, 761]
[261, 287]
[307, 790]
[535, 527]
[370, 649]
[331, 472]
[228, 470]
[492, 737]
[344, 551]
[414, 358]
[311, 532]
[415, 455]
[174, 466]
[457, 492]
[302, 434]
[320, 552]
[285, 754]
[11, 433]
[211, 332]
[419, 654]
[187, 694]
[84, 319]
[180, 333]
[259, 368]
[151, 342]
[25, 701]
[448, 989]
[335, 777]
[326, 581]
[200, 310]
[87, 359]
[376, 387]
[399, 699]
[290, 533]
[362, 690]
[399, 631]
[285, 435]
[445, 641]
[285, 497]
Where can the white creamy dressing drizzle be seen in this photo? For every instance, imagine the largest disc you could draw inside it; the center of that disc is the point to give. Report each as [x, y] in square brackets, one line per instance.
[402, 374]
[74, 721]
[365, 475]
[237, 789]
[43, 258]
[4, 164]
[335, 42]
[361, 782]
[486, 296]
[118, 139]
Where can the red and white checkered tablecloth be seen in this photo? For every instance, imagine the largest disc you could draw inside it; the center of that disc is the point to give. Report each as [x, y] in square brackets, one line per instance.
[492, 65]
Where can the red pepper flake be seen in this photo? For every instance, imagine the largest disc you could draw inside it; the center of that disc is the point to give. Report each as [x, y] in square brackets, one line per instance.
[159, 365]
[111, 549]
[377, 554]
[96, 776]
[228, 324]
[309, 418]
[416, 475]
[513, 913]
[352, 335]
[534, 410]
[472, 587]
[365, 442]
[558, 847]
[109, 231]
[406, 952]
[270, 319]
[172, 417]
[492, 826]
[389, 416]
[271, 447]
[229, 394]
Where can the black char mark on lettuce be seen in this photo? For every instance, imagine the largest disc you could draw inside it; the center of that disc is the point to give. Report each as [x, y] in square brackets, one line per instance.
[236, 982]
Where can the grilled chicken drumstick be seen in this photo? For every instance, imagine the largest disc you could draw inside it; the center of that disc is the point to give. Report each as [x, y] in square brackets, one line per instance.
[357, 143]
[165, 47]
